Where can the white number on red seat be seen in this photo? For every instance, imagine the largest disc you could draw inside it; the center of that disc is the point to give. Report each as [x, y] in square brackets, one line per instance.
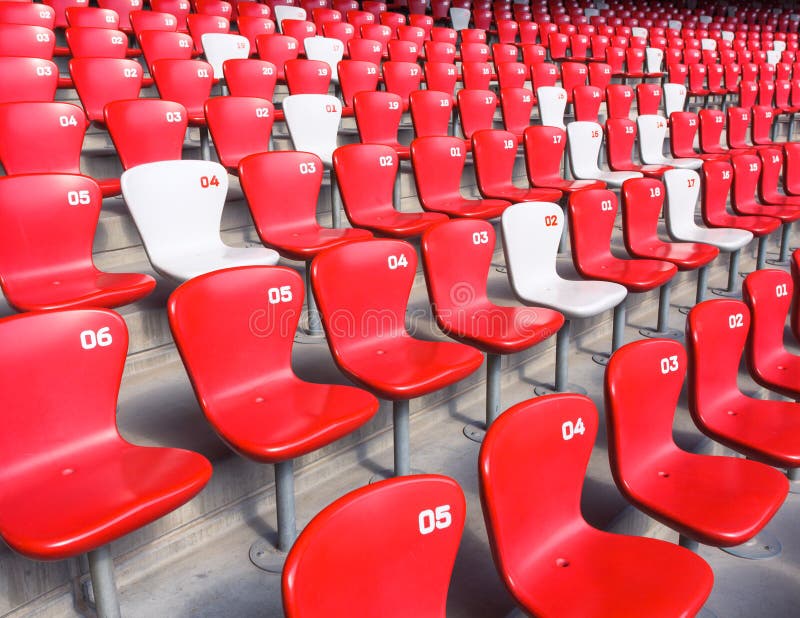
[183, 43]
[435, 519]
[385, 161]
[781, 290]
[754, 167]
[735, 320]
[569, 429]
[75, 198]
[669, 364]
[203, 73]
[42, 37]
[262, 112]
[397, 261]
[508, 144]
[480, 238]
[455, 151]
[308, 168]
[42, 71]
[605, 206]
[557, 139]
[67, 121]
[394, 104]
[174, 117]
[655, 191]
[116, 40]
[130, 72]
[726, 174]
[282, 294]
[91, 339]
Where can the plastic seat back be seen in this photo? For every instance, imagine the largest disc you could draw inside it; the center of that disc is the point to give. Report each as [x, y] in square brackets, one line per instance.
[717, 180]
[431, 112]
[591, 216]
[543, 74]
[366, 175]
[763, 118]
[177, 207]
[365, 49]
[544, 151]
[550, 438]
[438, 164]
[179, 8]
[738, 123]
[23, 41]
[682, 131]
[146, 130]
[123, 9]
[768, 294]
[516, 105]
[712, 123]
[585, 140]
[277, 49]
[97, 43]
[99, 81]
[440, 76]
[511, 74]
[27, 79]
[476, 110]
[356, 76]
[642, 201]
[378, 116]
[298, 29]
[476, 75]
[620, 136]
[401, 78]
[239, 126]
[48, 230]
[413, 520]
[199, 24]
[187, 82]
[440, 51]
[340, 31]
[252, 27]
[313, 123]
[475, 52]
[619, 99]
[531, 234]
[587, 100]
[281, 12]
[552, 103]
[28, 14]
[307, 76]
[634, 373]
[746, 174]
[325, 50]
[573, 74]
[220, 47]
[648, 98]
[403, 51]
[748, 93]
[250, 78]
[674, 98]
[41, 137]
[159, 44]
[153, 20]
[716, 332]
[652, 132]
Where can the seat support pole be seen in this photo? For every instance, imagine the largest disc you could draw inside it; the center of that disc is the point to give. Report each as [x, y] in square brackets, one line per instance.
[101, 568]
[733, 276]
[562, 357]
[618, 329]
[402, 457]
[786, 231]
[663, 307]
[493, 362]
[205, 146]
[702, 284]
[314, 324]
[762, 253]
[336, 215]
[284, 498]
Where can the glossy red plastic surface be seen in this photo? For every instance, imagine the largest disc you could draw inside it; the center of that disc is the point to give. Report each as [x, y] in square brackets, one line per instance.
[642, 203]
[250, 77]
[356, 76]
[366, 176]
[721, 501]
[199, 24]
[101, 80]
[64, 442]
[146, 130]
[587, 100]
[46, 240]
[457, 257]
[277, 49]
[250, 27]
[282, 189]
[648, 98]
[441, 77]
[494, 154]
[771, 168]
[768, 293]
[25, 41]
[717, 180]
[544, 151]
[476, 110]
[542, 546]
[619, 98]
[431, 112]
[620, 138]
[123, 8]
[239, 126]
[682, 132]
[236, 344]
[438, 164]
[746, 174]
[591, 223]
[97, 43]
[388, 567]
[159, 44]
[27, 79]
[765, 430]
[712, 123]
[378, 116]
[307, 76]
[401, 78]
[517, 105]
[187, 82]
[364, 319]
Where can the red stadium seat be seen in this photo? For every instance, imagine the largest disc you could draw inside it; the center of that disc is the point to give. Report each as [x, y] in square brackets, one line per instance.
[307, 76]
[146, 130]
[380, 354]
[619, 99]
[23, 41]
[378, 116]
[179, 8]
[159, 44]
[122, 486]
[476, 110]
[586, 102]
[401, 78]
[250, 78]
[438, 164]
[92, 17]
[203, 24]
[101, 80]
[153, 20]
[456, 256]
[28, 13]
[239, 127]
[380, 535]
[45, 137]
[512, 74]
[356, 76]
[97, 43]
[476, 75]
[277, 49]
[682, 132]
[648, 98]
[620, 139]
[47, 236]
[27, 79]
[720, 501]
[543, 547]
[431, 112]
[517, 105]
[441, 76]
[544, 152]
[123, 9]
